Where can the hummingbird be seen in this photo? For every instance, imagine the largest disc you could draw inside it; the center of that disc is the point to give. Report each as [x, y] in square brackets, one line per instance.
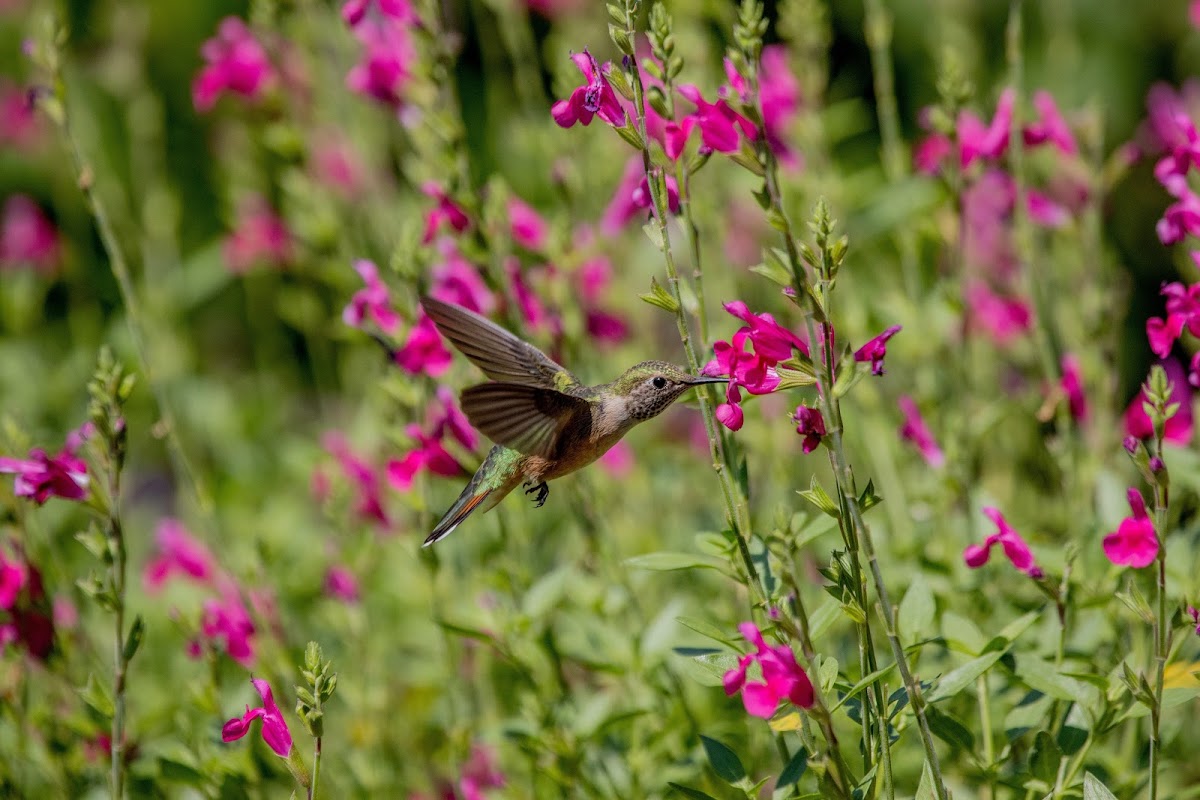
[544, 421]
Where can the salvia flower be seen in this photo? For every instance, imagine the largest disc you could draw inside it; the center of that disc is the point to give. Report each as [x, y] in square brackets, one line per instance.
[1183, 312]
[594, 98]
[783, 679]
[226, 618]
[811, 425]
[341, 584]
[721, 128]
[42, 476]
[354, 12]
[362, 476]
[977, 140]
[235, 62]
[916, 432]
[1014, 546]
[876, 349]
[457, 281]
[779, 93]
[12, 579]
[480, 772]
[178, 554]
[261, 238]
[423, 351]
[387, 61]
[1178, 428]
[27, 237]
[1072, 387]
[1002, 318]
[274, 727]
[1194, 613]
[1135, 542]
[446, 212]
[526, 225]
[753, 371]
[429, 454]
[20, 127]
[1049, 126]
[371, 302]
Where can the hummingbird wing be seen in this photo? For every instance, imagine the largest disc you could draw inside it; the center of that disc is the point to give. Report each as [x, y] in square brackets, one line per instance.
[501, 355]
[524, 418]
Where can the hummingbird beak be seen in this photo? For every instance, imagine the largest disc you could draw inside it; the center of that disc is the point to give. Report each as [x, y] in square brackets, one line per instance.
[699, 380]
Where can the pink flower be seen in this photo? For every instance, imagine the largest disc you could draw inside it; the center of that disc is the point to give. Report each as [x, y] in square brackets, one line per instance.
[361, 476]
[373, 301]
[633, 197]
[430, 454]
[445, 212]
[234, 62]
[12, 579]
[618, 461]
[1049, 126]
[1194, 613]
[532, 309]
[355, 11]
[423, 351]
[1006, 536]
[341, 584]
[976, 140]
[930, 152]
[337, 165]
[811, 425]
[1178, 429]
[719, 124]
[595, 97]
[386, 66]
[1045, 211]
[179, 554]
[19, 124]
[1183, 310]
[446, 418]
[27, 237]
[916, 432]
[779, 92]
[592, 278]
[876, 349]
[274, 727]
[41, 476]
[988, 204]
[527, 226]
[1002, 318]
[261, 238]
[754, 371]
[457, 282]
[1180, 219]
[226, 618]
[1194, 371]
[783, 678]
[1135, 543]
[1072, 386]
[479, 773]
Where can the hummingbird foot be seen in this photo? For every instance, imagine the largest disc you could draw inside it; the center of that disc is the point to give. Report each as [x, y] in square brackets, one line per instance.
[543, 491]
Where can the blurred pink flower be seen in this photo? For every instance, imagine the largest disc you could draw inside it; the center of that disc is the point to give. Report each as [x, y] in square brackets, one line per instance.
[261, 238]
[531, 307]
[226, 617]
[274, 727]
[1183, 311]
[341, 584]
[719, 124]
[1045, 211]
[12, 579]
[1135, 543]
[753, 371]
[592, 278]
[783, 678]
[779, 91]
[336, 164]
[1001, 318]
[1072, 386]
[387, 58]
[423, 351]
[179, 553]
[445, 212]
[1049, 125]
[373, 301]
[556, 8]
[355, 11]
[362, 477]
[930, 152]
[987, 207]
[876, 350]
[618, 461]
[42, 476]
[1180, 219]
[979, 141]
[811, 425]
[595, 97]
[1178, 429]
[1194, 613]
[1014, 546]
[916, 432]
[20, 127]
[27, 237]
[447, 418]
[430, 454]
[64, 612]
[456, 281]
[632, 197]
[480, 772]
[234, 62]
[527, 226]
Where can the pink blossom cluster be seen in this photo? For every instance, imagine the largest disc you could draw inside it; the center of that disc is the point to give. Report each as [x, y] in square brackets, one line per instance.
[1183, 313]
[383, 29]
[365, 480]
[42, 476]
[1135, 542]
[28, 238]
[235, 62]
[1173, 134]
[1010, 541]
[24, 620]
[782, 678]
[445, 419]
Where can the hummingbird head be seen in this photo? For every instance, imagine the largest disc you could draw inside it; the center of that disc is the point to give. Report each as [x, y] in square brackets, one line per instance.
[651, 386]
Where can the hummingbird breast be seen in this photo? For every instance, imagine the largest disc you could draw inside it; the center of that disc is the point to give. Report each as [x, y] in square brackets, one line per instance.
[581, 442]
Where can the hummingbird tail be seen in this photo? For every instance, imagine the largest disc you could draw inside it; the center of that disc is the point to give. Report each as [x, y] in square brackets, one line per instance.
[462, 508]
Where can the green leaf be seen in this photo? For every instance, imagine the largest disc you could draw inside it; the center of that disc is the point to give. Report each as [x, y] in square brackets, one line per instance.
[688, 791]
[794, 770]
[669, 562]
[658, 296]
[707, 630]
[723, 760]
[96, 695]
[862, 684]
[925, 787]
[949, 729]
[134, 640]
[709, 669]
[916, 610]
[962, 635]
[1043, 760]
[823, 618]
[1093, 789]
[1043, 676]
[817, 495]
[962, 676]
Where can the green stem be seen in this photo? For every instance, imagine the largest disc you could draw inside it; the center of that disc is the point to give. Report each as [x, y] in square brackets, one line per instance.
[1161, 635]
[985, 724]
[316, 770]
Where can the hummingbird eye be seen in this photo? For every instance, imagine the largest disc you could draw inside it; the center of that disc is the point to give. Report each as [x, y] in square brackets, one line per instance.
[660, 382]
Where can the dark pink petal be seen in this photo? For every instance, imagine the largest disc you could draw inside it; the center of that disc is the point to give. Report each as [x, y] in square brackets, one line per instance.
[1072, 386]
[730, 415]
[735, 678]
[238, 727]
[1134, 544]
[915, 431]
[976, 555]
[759, 700]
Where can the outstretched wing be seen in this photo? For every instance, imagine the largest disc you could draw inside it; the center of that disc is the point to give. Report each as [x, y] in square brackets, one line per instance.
[502, 356]
[524, 418]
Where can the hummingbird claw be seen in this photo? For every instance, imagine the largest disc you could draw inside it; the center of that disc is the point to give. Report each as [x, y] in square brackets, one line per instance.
[543, 491]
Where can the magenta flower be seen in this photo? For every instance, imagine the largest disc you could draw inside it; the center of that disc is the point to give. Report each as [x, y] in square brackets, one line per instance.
[721, 128]
[1135, 542]
[336, 164]
[1002, 318]
[235, 62]
[811, 425]
[447, 419]
[261, 238]
[423, 352]
[1072, 387]
[1180, 219]
[457, 282]
[445, 212]
[979, 141]
[179, 554]
[527, 226]
[355, 11]
[753, 371]
[783, 678]
[27, 237]
[12, 580]
[1045, 211]
[779, 91]
[632, 197]
[533, 310]
[1194, 613]
[618, 461]
[362, 477]
[19, 124]
[479, 773]
[42, 476]
[274, 727]
[1049, 126]
[1006, 536]
[226, 618]
[1178, 429]
[341, 584]
[592, 278]
[1183, 311]
[430, 454]
[386, 66]
[916, 432]
[876, 349]
[930, 152]
[595, 97]
[373, 301]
